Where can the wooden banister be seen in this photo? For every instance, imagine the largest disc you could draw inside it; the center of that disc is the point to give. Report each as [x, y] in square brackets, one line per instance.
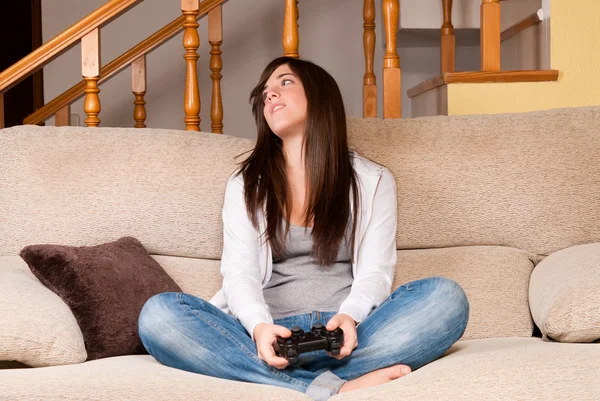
[215, 38]
[291, 38]
[191, 43]
[90, 70]
[63, 42]
[120, 63]
[138, 87]
[392, 95]
[447, 40]
[490, 35]
[369, 80]
[62, 118]
[522, 25]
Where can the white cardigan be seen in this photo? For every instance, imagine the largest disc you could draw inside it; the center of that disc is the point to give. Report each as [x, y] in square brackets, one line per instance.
[246, 263]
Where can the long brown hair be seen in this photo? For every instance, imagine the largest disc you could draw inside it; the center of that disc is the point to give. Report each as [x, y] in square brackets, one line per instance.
[331, 179]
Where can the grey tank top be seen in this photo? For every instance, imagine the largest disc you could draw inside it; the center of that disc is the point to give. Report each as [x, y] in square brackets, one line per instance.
[299, 284]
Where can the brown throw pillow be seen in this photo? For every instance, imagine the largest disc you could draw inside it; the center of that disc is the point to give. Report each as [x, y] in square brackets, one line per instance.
[105, 286]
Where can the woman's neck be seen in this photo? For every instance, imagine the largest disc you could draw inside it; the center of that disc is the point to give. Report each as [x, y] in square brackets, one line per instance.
[294, 155]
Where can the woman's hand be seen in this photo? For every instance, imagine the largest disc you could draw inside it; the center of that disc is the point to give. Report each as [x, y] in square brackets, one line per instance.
[348, 325]
[265, 337]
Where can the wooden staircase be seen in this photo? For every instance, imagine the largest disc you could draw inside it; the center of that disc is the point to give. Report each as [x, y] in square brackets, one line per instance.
[431, 98]
[87, 32]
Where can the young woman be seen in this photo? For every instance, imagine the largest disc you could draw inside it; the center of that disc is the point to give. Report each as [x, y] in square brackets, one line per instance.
[309, 236]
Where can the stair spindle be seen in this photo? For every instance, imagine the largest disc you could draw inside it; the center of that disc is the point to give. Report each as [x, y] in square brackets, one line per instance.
[138, 87]
[215, 38]
[392, 95]
[291, 37]
[191, 43]
[62, 118]
[490, 35]
[369, 80]
[447, 40]
[90, 66]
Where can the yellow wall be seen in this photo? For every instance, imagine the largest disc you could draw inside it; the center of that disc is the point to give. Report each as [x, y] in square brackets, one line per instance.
[575, 53]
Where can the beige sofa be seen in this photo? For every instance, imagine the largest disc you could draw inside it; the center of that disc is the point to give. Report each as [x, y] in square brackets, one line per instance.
[485, 200]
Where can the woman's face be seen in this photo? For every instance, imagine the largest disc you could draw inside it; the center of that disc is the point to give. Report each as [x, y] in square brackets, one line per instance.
[285, 103]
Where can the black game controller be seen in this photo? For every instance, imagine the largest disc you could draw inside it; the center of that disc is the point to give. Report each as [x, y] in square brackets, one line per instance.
[318, 338]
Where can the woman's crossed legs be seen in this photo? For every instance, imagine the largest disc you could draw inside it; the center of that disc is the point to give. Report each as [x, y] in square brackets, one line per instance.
[415, 325]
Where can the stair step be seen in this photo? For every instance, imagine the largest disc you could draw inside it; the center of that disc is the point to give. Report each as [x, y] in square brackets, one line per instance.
[482, 77]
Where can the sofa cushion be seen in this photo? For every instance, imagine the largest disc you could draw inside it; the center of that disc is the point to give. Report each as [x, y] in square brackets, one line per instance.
[199, 277]
[494, 278]
[78, 186]
[497, 369]
[36, 327]
[501, 179]
[564, 294]
[471, 370]
[132, 378]
[105, 287]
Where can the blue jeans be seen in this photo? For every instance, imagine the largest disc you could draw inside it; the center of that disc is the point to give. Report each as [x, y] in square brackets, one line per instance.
[415, 325]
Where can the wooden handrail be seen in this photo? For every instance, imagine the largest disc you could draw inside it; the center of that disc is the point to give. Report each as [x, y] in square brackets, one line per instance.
[62, 42]
[522, 25]
[117, 65]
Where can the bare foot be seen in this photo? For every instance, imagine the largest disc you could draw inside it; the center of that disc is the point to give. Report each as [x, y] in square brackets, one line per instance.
[376, 378]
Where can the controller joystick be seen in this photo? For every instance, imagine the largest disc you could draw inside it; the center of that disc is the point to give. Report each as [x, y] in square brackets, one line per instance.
[319, 338]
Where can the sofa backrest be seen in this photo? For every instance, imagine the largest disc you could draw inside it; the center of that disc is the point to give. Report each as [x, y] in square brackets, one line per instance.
[529, 180]
[524, 180]
[86, 186]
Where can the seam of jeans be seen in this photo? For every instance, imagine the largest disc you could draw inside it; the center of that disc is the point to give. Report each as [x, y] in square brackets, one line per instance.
[243, 348]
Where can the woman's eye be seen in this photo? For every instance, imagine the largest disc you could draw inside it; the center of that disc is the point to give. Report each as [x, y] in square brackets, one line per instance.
[284, 81]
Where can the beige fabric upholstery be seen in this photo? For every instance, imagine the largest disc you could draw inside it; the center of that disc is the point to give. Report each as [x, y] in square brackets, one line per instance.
[36, 327]
[132, 377]
[199, 277]
[477, 196]
[525, 180]
[472, 370]
[565, 294]
[163, 187]
[505, 369]
[490, 276]
[495, 280]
